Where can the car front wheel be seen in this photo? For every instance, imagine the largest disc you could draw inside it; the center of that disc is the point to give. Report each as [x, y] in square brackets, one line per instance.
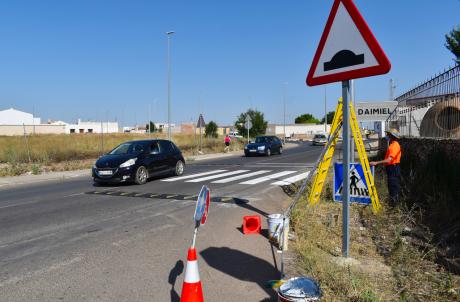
[281, 150]
[179, 168]
[141, 175]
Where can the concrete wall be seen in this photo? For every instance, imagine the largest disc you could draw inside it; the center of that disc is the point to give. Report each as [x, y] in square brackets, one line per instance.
[11, 130]
[430, 182]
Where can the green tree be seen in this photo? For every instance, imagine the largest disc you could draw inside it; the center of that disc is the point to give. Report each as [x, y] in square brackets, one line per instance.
[259, 125]
[330, 117]
[151, 127]
[453, 43]
[306, 118]
[211, 129]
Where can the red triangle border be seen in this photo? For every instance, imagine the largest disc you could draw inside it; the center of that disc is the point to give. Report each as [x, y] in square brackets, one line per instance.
[383, 66]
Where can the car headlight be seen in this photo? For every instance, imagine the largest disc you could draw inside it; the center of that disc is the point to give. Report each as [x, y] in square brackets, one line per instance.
[94, 166]
[261, 148]
[245, 147]
[128, 163]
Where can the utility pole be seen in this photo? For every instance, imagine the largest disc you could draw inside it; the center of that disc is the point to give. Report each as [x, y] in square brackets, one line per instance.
[284, 112]
[169, 33]
[352, 142]
[325, 110]
[102, 138]
[346, 170]
[149, 122]
[248, 121]
[392, 87]
[33, 118]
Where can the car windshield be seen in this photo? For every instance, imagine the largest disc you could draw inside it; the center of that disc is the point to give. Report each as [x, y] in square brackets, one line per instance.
[261, 139]
[320, 136]
[127, 148]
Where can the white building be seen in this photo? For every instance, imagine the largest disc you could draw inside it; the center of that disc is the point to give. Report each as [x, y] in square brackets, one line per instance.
[300, 130]
[92, 127]
[15, 117]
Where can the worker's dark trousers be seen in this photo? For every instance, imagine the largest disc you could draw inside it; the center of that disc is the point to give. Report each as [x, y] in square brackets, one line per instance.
[394, 182]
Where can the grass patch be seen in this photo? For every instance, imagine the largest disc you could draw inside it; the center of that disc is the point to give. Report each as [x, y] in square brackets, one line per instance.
[393, 258]
[70, 152]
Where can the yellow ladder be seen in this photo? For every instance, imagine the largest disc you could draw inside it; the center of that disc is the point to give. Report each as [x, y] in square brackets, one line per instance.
[323, 167]
[364, 160]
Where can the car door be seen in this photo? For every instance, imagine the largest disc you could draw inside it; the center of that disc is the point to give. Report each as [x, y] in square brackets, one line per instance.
[278, 143]
[155, 160]
[169, 155]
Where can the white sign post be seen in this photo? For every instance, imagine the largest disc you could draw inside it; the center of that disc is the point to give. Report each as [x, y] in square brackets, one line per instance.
[201, 210]
[347, 50]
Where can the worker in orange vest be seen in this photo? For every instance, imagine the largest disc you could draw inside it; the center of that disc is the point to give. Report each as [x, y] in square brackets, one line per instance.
[391, 163]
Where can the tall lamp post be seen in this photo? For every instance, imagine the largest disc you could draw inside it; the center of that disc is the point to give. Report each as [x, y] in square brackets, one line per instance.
[284, 112]
[169, 34]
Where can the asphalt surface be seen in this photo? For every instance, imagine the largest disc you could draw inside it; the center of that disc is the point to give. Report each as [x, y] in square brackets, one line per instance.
[69, 240]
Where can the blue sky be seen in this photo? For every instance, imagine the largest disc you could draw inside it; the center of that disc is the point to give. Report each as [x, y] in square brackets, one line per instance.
[95, 59]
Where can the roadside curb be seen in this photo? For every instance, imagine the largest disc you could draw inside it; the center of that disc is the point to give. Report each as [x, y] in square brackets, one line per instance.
[30, 179]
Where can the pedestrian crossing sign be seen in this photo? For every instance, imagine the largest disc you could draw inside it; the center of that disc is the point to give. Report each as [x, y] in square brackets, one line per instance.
[359, 191]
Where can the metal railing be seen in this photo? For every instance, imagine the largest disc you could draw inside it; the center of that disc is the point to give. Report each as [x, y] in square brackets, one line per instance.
[430, 110]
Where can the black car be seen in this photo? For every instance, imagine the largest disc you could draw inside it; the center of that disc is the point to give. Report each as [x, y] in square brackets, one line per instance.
[137, 161]
[264, 145]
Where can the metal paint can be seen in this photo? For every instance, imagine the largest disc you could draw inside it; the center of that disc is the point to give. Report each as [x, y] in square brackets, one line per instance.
[299, 289]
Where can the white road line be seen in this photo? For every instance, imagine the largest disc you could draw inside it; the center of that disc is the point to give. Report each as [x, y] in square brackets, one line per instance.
[225, 180]
[291, 180]
[218, 176]
[265, 178]
[193, 175]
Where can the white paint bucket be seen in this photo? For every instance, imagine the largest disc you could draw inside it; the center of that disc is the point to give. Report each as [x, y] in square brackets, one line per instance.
[275, 225]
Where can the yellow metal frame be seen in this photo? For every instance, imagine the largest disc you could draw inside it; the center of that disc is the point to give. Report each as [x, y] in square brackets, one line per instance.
[323, 167]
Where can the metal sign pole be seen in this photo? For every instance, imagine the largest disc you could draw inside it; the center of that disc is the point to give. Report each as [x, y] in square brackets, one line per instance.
[346, 169]
[352, 142]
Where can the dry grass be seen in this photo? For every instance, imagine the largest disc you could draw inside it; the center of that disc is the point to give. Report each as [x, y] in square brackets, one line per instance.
[389, 264]
[70, 152]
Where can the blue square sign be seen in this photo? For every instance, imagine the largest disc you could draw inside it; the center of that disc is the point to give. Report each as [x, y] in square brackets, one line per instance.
[359, 192]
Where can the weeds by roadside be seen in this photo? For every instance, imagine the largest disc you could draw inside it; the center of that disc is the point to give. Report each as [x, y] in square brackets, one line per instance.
[78, 151]
[393, 258]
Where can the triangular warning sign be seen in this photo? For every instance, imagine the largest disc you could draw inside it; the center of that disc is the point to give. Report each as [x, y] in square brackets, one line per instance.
[347, 49]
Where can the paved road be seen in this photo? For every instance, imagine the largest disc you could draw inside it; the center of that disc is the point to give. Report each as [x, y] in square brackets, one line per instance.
[70, 241]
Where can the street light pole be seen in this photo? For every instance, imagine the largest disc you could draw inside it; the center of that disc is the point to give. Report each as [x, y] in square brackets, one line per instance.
[284, 113]
[169, 33]
[325, 111]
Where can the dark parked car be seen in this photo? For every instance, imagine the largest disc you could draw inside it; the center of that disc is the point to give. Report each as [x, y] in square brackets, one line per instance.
[265, 145]
[137, 161]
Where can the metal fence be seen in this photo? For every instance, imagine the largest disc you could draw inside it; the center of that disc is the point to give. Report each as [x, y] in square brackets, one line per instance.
[430, 110]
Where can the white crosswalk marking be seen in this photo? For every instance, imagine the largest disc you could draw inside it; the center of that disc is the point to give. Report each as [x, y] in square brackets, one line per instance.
[265, 178]
[217, 176]
[225, 180]
[291, 180]
[193, 175]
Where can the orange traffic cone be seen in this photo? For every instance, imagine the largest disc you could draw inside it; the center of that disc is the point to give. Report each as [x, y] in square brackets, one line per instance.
[191, 290]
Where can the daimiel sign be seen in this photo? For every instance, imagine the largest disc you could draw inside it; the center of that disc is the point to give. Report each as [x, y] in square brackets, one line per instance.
[374, 111]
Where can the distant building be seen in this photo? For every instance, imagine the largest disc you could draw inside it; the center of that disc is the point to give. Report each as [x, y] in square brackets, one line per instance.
[187, 128]
[15, 117]
[16, 122]
[92, 127]
[296, 130]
